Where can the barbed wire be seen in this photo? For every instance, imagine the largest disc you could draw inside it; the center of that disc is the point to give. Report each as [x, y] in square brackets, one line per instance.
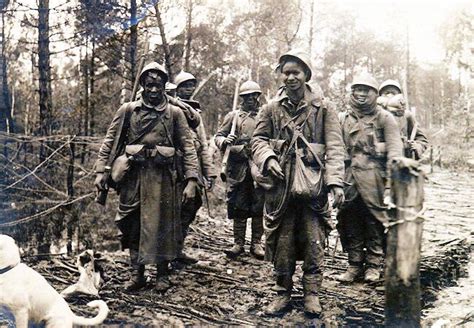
[47, 211]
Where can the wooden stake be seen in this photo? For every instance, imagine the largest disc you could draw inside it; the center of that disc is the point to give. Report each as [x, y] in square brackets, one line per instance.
[402, 266]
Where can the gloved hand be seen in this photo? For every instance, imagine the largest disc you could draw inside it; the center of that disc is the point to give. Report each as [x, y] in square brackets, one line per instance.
[274, 168]
[99, 182]
[338, 196]
[190, 190]
[230, 139]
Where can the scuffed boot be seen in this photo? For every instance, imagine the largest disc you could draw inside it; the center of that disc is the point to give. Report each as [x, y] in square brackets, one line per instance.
[311, 282]
[137, 274]
[281, 302]
[353, 272]
[239, 238]
[257, 251]
[162, 283]
[372, 274]
[256, 248]
[279, 305]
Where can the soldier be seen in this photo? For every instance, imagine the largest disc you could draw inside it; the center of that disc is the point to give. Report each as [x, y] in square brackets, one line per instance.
[372, 141]
[170, 89]
[244, 198]
[149, 199]
[413, 138]
[298, 133]
[185, 86]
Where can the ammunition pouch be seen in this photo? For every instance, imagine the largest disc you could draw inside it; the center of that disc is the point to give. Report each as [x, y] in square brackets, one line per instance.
[161, 155]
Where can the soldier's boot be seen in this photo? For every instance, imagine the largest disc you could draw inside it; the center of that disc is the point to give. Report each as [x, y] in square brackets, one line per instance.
[256, 248]
[162, 283]
[311, 283]
[372, 274]
[281, 302]
[137, 273]
[240, 225]
[353, 272]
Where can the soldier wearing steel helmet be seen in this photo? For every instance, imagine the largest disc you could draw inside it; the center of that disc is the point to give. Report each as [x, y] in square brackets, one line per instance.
[244, 197]
[391, 98]
[185, 85]
[297, 126]
[372, 141]
[152, 132]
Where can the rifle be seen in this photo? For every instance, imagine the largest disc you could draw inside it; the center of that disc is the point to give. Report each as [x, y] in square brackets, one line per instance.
[232, 131]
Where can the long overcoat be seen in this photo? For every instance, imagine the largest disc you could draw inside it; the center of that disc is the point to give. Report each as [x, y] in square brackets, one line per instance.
[371, 142]
[274, 128]
[150, 188]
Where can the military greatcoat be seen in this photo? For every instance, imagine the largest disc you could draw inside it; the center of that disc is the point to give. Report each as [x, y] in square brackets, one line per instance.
[294, 227]
[148, 193]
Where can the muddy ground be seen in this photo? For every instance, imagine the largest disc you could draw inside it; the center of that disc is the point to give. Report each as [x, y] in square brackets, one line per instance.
[218, 291]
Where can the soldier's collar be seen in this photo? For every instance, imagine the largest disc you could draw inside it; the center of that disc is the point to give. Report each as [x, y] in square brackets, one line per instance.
[310, 97]
[159, 108]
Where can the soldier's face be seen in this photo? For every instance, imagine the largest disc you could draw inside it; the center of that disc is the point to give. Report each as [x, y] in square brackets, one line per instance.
[363, 94]
[389, 91]
[153, 90]
[294, 75]
[250, 101]
[186, 89]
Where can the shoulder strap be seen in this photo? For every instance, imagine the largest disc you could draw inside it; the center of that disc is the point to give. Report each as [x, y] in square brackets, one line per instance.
[168, 134]
[122, 131]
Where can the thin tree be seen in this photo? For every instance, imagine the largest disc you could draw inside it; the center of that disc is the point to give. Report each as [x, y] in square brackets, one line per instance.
[44, 69]
[164, 42]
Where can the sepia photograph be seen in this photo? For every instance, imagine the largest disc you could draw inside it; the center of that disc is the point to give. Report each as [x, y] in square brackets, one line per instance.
[190, 163]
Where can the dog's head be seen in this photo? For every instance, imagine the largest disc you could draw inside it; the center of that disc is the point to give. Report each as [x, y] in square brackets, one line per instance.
[9, 252]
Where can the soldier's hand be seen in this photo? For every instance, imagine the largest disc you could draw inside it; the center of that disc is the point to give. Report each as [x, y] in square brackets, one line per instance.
[190, 190]
[99, 182]
[387, 199]
[415, 148]
[275, 169]
[230, 139]
[210, 183]
[338, 196]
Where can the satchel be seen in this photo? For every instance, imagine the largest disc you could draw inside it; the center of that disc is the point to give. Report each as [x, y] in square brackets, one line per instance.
[308, 180]
[120, 167]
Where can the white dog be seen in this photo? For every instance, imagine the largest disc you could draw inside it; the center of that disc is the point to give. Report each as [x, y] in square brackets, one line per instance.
[31, 298]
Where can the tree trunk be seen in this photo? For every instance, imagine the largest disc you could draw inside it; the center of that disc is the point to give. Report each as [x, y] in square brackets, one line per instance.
[6, 123]
[133, 39]
[45, 100]
[164, 43]
[402, 266]
[187, 47]
[92, 90]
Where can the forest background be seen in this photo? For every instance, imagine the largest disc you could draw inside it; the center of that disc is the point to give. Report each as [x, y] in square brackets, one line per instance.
[66, 66]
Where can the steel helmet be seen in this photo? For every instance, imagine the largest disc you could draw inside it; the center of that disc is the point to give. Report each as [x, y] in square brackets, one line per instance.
[170, 86]
[183, 77]
[301, 56]
[153, 66]
[392, 83]
[365, 79]
[249, 87]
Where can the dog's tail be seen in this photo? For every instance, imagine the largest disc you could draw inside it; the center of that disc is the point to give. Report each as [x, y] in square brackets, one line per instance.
[98, 319]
